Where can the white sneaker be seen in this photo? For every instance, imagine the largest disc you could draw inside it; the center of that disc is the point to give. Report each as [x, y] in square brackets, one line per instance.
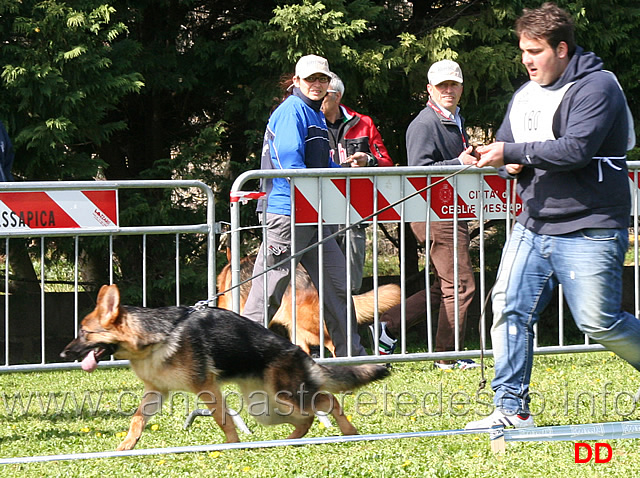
[466, 364]
[462, 364]
[500, 419]
[386, 345]
[444, 365]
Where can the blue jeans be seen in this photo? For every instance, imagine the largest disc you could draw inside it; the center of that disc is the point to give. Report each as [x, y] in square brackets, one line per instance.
[588, 264]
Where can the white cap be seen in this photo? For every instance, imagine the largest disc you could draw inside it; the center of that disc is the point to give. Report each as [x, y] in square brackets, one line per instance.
[310, 64]
[444, 70]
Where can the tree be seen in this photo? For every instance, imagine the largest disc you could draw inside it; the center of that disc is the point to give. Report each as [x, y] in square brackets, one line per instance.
[66, 66]
[183, 89]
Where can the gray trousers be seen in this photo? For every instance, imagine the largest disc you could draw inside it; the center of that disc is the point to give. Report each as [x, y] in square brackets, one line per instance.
[357, 246]
[278, 247]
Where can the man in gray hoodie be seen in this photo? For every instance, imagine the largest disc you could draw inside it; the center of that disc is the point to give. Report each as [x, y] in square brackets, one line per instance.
[564, 138]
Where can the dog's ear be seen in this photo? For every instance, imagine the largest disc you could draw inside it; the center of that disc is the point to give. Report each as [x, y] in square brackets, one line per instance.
[108, 305]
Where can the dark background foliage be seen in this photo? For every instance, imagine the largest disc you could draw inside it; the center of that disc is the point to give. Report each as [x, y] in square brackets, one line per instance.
[160, 89]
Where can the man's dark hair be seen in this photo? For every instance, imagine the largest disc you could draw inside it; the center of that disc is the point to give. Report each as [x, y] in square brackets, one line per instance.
[550, 23]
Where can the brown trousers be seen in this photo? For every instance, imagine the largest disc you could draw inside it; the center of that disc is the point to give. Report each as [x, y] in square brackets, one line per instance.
[442, 291]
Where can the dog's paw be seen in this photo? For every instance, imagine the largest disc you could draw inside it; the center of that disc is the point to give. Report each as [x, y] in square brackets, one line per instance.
[127, 444]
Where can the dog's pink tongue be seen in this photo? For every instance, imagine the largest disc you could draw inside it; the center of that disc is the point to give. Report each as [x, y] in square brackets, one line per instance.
[89, 364]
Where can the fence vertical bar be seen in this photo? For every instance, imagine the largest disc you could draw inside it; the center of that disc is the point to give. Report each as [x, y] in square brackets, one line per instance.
[320, 267]
[427, 268]
[42, 309]
[6, 303]
[178, 270]
[292, 264]
[636, 265]
[403, 273]
[234, 208]
[347, 247]
[75, 285]
[456, 266]
[144, 270]
[211, 245]
[374, 237]
[110, 259]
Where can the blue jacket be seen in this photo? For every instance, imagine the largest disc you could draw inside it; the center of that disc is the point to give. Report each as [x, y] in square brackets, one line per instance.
[579, 180]
[6, 155]
[296, 137]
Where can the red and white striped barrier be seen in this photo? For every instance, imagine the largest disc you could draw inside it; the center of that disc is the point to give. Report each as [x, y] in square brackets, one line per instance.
[478, 196]
[476, 193]
[27, 210]
[244, 196]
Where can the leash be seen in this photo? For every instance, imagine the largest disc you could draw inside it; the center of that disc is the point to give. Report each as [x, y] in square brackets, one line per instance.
[344, 229]
[483, 380]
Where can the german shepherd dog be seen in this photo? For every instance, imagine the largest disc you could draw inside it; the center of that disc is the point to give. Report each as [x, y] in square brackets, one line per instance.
[307, 305]
[196, 349]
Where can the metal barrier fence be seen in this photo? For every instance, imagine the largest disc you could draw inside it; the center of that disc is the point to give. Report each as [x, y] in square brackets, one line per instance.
[320, 196]
[75, 211]
[407, 194]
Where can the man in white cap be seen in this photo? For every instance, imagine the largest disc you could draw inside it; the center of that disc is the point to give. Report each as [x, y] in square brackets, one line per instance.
[296, 137]
[436, 137]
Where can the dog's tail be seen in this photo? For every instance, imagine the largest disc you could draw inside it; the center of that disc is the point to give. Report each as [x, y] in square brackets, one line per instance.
[340, 378]
[388, 296]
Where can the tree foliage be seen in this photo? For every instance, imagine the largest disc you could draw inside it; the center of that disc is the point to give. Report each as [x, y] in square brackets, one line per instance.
[183, 88]
[125, 84]
[65, 67]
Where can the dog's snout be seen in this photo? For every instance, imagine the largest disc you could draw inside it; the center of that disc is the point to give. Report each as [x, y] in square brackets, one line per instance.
[66, 352]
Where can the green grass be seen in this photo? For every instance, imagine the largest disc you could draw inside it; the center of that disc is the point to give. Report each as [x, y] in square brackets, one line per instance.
[568, 390]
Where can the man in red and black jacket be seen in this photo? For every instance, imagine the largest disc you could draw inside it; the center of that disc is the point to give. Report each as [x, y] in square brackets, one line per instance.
[352, 135]
[354, 131]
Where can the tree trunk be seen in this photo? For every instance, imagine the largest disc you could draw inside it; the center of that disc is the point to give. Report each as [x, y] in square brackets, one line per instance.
[23, 279]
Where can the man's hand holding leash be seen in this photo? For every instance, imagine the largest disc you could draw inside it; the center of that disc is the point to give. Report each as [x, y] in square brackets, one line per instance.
[493, 155]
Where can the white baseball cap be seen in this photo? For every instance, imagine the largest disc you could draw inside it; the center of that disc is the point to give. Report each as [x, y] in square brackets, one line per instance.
[310, 64]
[444, 70]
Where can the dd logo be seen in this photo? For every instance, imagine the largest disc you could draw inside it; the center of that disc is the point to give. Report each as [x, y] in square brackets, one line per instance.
[590, 452]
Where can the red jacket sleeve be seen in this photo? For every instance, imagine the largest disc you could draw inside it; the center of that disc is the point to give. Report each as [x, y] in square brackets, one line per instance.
[377, 147]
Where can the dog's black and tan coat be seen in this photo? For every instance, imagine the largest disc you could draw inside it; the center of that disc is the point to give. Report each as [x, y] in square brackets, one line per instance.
[195, 350]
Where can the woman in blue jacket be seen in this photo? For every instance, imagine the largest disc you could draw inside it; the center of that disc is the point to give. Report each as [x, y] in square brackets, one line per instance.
[296, 137]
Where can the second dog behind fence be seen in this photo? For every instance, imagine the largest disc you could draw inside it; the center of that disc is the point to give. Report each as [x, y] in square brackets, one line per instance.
[307, 305]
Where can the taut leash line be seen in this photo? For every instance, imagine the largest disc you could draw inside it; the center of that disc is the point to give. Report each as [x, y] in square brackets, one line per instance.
[340, 231]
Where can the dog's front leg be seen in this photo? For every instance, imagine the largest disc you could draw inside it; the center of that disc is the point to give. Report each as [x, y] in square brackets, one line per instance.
[151, 403]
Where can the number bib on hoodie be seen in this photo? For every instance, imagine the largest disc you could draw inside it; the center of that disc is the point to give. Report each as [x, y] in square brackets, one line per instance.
[532, 111]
